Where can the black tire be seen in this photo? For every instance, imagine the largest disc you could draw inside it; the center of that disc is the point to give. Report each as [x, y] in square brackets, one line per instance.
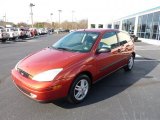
[73, 93]
[130, 64]
[4, 40]
[14, 39]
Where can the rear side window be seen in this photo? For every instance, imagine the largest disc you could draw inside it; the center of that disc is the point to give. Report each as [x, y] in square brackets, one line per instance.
[109, 39]
[123, 37]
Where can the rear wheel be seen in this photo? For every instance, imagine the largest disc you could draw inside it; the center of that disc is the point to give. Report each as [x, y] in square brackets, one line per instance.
[79, 89]
[130, 64]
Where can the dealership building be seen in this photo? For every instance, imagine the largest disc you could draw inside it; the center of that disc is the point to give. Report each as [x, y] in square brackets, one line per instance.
[145, 25]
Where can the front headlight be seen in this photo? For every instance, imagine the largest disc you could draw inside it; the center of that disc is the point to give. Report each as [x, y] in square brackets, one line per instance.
[47, 75]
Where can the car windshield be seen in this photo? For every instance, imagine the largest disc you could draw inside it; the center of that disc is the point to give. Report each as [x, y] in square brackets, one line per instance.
[79, 41]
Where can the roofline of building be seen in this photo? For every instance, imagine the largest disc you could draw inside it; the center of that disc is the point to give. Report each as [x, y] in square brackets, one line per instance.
[135, 14]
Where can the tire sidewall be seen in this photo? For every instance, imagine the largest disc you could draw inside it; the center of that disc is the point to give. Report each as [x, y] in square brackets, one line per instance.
[71, 96]
[127, 68]
[132, 61]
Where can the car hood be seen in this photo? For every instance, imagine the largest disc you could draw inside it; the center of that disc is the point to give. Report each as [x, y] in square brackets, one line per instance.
[48, 59]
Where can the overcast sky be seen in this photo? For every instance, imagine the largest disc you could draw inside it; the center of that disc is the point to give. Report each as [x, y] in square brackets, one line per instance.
[19, 10]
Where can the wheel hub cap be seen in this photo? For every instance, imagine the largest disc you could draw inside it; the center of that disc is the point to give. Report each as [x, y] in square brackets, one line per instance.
[81, 89]
[130, 64]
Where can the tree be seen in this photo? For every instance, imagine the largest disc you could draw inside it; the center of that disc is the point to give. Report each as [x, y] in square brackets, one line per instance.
[55, 25]
[22, 24]
[39, 25]
[74, 25]
[66, 25]
[82, 24]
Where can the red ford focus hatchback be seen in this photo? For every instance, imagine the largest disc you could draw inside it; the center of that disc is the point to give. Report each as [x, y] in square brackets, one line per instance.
[70, 66]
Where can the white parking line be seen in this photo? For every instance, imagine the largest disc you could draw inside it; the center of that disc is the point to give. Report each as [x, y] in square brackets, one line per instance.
[138, 56]
[146, 60]
[146, 48]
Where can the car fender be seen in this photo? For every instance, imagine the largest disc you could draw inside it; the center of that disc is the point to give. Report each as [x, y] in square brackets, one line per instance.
[73, 71]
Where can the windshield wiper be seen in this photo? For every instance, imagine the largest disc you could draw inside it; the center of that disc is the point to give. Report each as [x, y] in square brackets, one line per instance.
[61, 48]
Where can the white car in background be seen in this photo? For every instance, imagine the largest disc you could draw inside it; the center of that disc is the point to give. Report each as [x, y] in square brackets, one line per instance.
[42, 31]
[72, 30]
[19, 31]
[13, 33]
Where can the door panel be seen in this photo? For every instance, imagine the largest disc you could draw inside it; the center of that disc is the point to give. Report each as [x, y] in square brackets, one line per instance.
[108, 62]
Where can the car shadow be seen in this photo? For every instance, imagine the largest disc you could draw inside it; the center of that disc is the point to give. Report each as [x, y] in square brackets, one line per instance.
[115, 83]
[20, 40]
[7, 42]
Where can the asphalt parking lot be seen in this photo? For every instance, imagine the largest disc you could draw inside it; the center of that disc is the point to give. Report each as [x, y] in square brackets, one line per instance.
[121, 96]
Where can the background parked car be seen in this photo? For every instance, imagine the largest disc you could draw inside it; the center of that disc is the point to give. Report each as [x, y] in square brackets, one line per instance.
[42, 31]
[13, 33]
[26, 33]
[134, 37]
[33, 32]
[3, 35]
[21, 33]
[50, 31]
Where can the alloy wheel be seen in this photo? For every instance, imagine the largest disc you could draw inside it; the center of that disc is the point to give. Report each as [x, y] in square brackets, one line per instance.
[81, 89]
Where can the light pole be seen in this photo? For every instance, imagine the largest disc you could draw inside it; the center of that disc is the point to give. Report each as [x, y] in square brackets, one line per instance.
[72, 19]
[59, 17]
[51, 20]
[4, 19]
[31, 5]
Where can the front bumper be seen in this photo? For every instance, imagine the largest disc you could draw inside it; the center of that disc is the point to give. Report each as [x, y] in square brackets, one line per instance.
[40, 91]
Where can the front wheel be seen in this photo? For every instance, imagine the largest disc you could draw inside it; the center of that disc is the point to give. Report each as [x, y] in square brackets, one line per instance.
[130, 64]
[79, 89]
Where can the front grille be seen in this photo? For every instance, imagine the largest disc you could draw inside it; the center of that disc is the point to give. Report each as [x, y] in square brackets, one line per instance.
[23, 73]
[23, 90]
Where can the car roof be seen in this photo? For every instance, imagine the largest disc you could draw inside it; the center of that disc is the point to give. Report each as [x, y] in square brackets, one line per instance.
[98, 30]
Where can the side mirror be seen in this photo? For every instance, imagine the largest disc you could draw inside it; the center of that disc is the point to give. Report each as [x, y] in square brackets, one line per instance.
[103, 50]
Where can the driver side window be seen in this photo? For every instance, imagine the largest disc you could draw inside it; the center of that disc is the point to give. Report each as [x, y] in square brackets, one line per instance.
[109, 40]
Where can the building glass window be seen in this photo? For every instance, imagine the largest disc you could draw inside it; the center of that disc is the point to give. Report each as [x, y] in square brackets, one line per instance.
[128, 25]
[149, 26]
[116, 25]
[93, 26]
[144, 21]
[109, 26]
[149, 30]
[100, 26]
[124, 25]
[156, 25]
[139, 26]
